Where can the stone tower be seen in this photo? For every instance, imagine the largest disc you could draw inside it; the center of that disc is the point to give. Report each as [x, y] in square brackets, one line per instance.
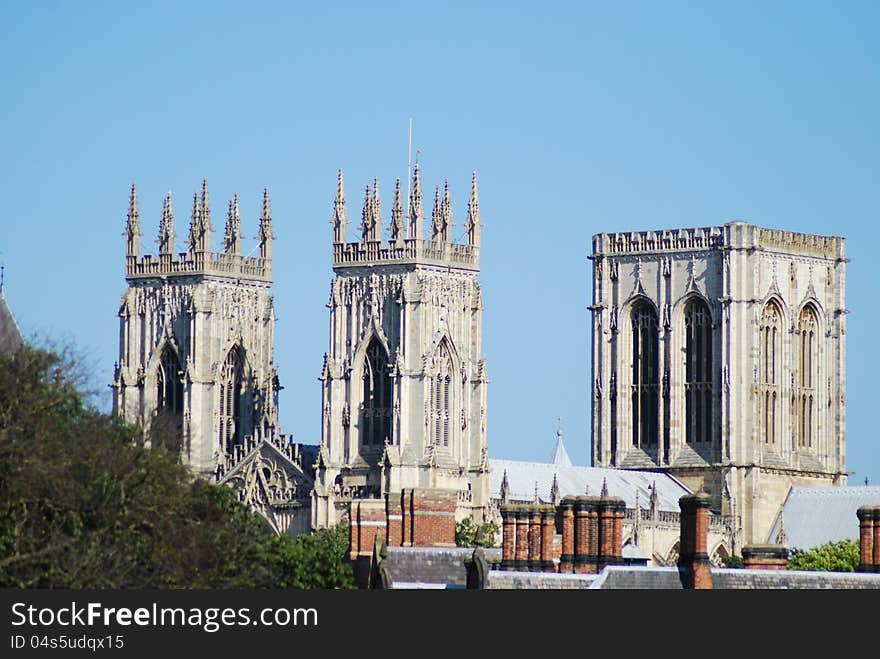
[404, 381]
[719, 358]
[195, 357]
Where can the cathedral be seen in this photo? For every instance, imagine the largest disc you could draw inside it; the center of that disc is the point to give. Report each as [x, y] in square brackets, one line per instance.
[718, 363]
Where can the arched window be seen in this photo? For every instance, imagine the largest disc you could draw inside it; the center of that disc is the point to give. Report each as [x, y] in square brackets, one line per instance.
[698, 379]
[376, 406]
[808, 324]
[169, 394]
[645, 375]
[441, 397]
[769, 376]
[231, 390]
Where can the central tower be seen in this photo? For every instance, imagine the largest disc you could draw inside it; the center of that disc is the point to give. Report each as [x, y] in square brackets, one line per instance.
[404, 381]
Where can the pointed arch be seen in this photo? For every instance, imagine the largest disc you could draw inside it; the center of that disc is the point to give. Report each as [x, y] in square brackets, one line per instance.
[807, 337]
[231, 386]
[699, 371]
[645, 387]
[770, 369]
[376, 402]
[441, 395]
[720, 555]
[169, 384]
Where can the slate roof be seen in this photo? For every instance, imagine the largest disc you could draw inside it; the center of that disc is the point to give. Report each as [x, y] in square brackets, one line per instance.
[431, 567]
[813, 516]
[10, 336]
[522, 476]
[667, 578]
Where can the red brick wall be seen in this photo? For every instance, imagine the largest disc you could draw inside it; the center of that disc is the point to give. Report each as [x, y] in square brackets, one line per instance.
[431, 517]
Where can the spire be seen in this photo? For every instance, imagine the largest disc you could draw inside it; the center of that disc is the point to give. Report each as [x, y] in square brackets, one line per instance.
[371, 217]
[560, 455]
[447, 213]
[206, 207]
[195, 224]
[554, 490]
[397, 215]
[416, 216]
[200, 226]
[436, 217]
[166, 227]
[232, 238]
[473, 216]
[265, 235]
[604, 492]
[339, 219]
[133, 225]
[377, 212]
[505, 487]
[441, 215]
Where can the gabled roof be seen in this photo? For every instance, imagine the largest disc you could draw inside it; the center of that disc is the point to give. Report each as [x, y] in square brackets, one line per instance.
[10, 336]
[812, 516]
[523, 476]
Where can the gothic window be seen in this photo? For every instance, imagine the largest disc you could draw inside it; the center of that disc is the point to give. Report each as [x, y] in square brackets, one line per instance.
[231, 390]
[769, 376]
[169, 395]
[698, 386]
[376, 406]
[645, 375]
[807, 377]
[440, 397]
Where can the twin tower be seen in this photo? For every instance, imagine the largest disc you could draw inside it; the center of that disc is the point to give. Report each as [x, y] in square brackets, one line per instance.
[403, 383]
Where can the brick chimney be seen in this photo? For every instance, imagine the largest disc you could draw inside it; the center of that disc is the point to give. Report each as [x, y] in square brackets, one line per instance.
[548, 530]
[586, 535]
[508, 536]
[534, 538]
[610, 524]
[869, 538]
[566, 508]
[765, 557]
[693, 560]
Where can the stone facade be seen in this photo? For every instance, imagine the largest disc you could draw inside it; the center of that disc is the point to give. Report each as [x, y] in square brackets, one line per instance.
[404, 380]
[196, 341]
[719, 358]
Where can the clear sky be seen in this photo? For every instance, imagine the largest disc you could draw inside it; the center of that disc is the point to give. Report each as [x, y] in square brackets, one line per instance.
[578, 117]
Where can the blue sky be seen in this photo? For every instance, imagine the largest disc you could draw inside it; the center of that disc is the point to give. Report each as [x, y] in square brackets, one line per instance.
[578, 117]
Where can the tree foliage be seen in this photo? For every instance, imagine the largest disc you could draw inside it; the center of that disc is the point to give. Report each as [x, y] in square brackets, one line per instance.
[840, 556]
[471, 534]
[316, 560]
[84, 505]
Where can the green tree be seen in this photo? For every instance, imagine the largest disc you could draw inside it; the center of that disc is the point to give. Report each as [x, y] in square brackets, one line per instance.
[84, 505]
[840, 556]
[470, 534]
[316, 560]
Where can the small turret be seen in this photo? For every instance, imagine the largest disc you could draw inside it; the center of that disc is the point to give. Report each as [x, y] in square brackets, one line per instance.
[166, 228]
[206, 228]
[339, 220]
[416, 216]
[133, 226]
[195, 223]
[371, 218]
[199, 240]
[442, 215]
[232, 237]
[265, 234]
[397, 215]
[473, 216]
